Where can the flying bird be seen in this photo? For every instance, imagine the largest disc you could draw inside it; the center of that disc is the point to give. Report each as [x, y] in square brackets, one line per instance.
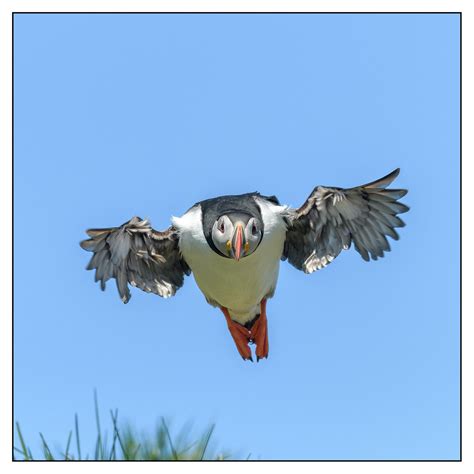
[233, 246]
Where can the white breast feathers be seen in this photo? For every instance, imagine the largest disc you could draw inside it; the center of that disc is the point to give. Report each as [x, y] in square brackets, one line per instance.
[240, 285]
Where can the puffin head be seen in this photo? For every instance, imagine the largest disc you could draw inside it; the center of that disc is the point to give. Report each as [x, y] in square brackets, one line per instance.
[237, 234]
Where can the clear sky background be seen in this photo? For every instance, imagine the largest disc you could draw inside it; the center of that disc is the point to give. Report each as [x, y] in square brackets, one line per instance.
[119, 115]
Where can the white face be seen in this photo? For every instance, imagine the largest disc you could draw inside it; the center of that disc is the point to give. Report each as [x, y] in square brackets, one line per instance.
[234, 238]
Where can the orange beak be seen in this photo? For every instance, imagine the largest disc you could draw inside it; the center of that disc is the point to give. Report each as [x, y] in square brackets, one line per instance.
[238, 242]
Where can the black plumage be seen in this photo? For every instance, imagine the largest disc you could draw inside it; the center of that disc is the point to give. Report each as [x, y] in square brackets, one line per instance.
[213, 208]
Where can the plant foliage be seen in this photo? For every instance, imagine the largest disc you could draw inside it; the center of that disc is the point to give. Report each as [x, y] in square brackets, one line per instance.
[124, 443]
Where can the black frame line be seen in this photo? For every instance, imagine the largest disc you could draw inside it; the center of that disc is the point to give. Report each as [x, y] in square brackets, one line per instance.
[237, 13]
[458, 13]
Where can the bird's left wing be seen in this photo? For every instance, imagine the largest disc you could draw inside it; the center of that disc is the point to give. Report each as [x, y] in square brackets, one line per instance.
[135, 253]
[332, 218]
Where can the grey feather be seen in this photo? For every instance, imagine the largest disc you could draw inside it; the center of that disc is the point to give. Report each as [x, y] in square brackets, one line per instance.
[135, 253]
[333, 218]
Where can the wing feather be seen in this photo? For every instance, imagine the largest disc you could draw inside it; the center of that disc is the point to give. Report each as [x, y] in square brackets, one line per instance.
[135, 253]
[332, 218]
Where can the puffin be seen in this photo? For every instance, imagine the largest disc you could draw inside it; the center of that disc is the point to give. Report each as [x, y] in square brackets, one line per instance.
[233, 246]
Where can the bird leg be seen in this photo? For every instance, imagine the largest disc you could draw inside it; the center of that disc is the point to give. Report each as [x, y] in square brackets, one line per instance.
[240, 334]
[259, 332]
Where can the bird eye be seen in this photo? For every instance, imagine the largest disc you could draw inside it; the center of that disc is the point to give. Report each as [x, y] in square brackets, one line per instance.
[254, 229]
[221, 226]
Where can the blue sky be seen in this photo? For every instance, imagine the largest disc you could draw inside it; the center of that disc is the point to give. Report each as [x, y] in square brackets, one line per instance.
[120, 115]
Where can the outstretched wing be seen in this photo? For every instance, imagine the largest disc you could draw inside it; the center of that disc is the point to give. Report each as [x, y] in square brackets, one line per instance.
[332, 218]
[135, 253]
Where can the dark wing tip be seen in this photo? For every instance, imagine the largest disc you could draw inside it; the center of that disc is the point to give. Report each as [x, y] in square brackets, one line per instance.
[97, 232]
[273, 199]
[400, 193]
[403, 208]
[85, 244]
[382, 182]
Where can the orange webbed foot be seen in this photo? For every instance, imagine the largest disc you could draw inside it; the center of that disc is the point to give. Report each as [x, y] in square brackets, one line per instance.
[259, 332]
[240, 334]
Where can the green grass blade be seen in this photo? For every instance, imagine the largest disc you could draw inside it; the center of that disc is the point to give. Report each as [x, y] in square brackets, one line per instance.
[66, 454]
[47, 452]
[136, 451]
[99, 445]
[113, 455]
[206, 441]
[22, 442]
[173, 451]
[18, 451]
[78, 440]
[117, 434]
[190, 446]
[96, 449]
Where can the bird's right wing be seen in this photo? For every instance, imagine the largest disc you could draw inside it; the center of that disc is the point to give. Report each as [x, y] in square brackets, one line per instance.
[135, 253]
